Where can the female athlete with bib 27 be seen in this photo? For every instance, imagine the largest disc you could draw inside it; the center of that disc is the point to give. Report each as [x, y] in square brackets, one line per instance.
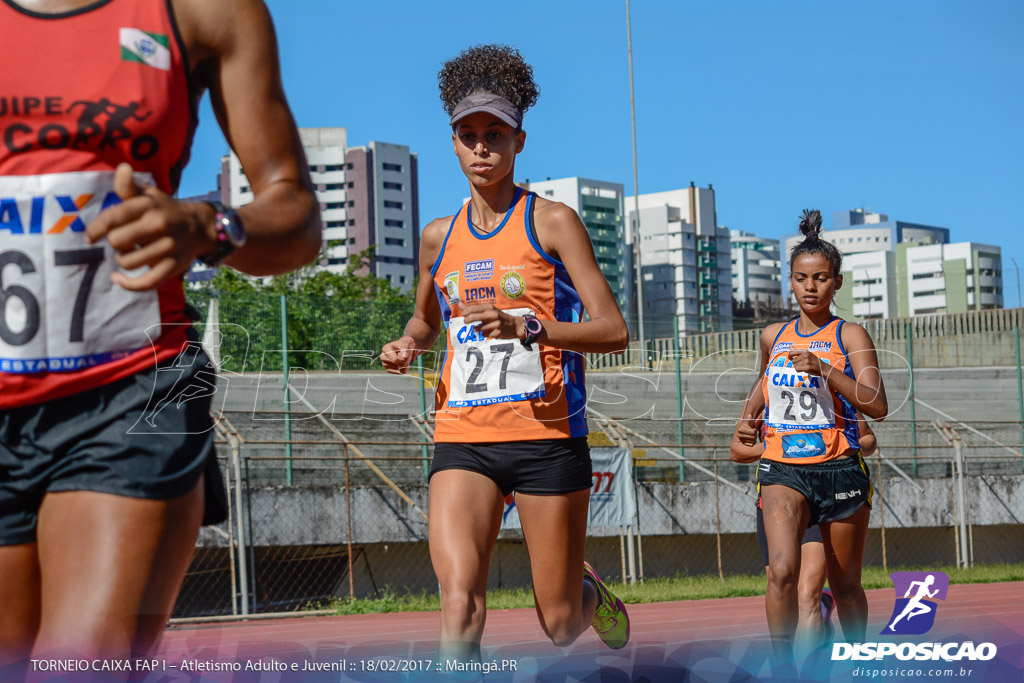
[817, 371]
[510, 276]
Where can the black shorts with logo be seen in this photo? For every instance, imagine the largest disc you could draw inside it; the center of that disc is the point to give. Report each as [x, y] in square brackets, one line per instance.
[542, 467]
[146, 436]
[834, 489]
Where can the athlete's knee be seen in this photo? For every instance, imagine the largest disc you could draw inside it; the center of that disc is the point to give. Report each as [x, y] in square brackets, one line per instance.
[462, 606]
[90, 638]
[17, 632]
[561, 625]
[846, 591]
[784, 572]
[563, 637]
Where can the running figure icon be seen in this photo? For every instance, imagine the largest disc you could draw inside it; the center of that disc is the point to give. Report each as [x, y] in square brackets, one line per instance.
[916, 606]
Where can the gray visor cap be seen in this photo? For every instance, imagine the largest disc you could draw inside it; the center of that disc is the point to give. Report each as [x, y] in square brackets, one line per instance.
[490, 103]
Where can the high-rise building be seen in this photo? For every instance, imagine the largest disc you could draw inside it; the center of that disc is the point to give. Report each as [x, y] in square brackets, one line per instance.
[756, 270]
[383, 208]
[858, 231]
[949, 278]
[368, 197]
[599, 204]
[869, 286]
[921, 279]
[685, 262]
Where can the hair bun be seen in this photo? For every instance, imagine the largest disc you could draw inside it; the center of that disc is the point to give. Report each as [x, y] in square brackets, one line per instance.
[810, 223]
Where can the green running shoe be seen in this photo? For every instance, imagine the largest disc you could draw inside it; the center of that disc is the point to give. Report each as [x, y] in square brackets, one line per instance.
[610, 619]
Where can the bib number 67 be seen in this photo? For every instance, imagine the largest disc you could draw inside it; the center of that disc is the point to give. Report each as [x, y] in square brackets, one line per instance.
[91, 258]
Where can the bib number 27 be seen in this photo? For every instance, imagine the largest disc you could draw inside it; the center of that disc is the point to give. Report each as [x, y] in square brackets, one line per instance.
[476, 356]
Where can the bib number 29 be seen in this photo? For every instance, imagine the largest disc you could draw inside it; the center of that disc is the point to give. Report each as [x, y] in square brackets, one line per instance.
[808, 405]
[91, 258]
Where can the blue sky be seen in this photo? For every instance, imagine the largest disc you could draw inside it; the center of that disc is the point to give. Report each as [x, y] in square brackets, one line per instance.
[909, 108]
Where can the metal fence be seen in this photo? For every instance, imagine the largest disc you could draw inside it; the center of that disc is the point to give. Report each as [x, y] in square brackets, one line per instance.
[326, 457]
[348, 518]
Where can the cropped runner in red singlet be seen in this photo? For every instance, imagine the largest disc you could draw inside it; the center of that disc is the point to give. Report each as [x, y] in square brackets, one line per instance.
[816, 372]
[99, 515]
[510, 276]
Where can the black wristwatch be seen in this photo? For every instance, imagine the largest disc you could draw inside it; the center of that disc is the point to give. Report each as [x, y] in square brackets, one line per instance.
[533, 328]
[230, 234]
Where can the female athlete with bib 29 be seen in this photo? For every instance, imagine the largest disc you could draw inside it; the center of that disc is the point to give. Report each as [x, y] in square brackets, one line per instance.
[510, 276]
[817, 371]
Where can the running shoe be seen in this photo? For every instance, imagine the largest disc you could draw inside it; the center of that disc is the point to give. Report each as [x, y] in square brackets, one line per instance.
[828, 605]
[611, 623]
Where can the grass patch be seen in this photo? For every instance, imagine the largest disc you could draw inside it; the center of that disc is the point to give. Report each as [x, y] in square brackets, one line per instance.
[701, 587]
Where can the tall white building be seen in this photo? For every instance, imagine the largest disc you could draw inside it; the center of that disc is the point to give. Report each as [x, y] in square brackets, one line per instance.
[859, 231]
[325, 154]
[756, 269]
[599, 204]
[869, 286]
[685, 262]
[949, 278]
[921, 279]
[368, 197]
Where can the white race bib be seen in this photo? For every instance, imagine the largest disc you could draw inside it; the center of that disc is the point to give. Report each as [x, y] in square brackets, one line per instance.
[487, 371]
[59, 311]
[797, 400]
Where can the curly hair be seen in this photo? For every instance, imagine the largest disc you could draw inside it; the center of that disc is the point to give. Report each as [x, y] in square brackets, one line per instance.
[496, 69]
[810, 226]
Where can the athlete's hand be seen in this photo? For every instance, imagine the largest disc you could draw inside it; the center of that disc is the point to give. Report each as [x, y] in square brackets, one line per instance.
[806, 362]
[747, 430]
[397, 355]
[494, 323]
[151, 228]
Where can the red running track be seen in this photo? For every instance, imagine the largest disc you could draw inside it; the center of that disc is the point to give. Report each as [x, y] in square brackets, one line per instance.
[713, 634]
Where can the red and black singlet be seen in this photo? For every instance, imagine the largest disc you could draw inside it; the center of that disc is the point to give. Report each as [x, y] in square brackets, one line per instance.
[83, 91]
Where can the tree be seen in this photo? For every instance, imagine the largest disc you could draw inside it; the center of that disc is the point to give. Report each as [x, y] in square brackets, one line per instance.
[331, 316]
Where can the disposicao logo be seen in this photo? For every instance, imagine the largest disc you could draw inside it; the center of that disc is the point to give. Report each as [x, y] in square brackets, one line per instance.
[914, 614]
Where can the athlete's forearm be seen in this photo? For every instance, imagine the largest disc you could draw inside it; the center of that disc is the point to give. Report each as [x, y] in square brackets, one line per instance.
[282, 228]
[599, 335]
[421, 332]
[754, 403]
[742, 453]
[868, 400]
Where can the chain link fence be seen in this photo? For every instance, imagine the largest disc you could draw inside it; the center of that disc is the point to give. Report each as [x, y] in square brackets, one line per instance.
[327, 480]
[352, 522]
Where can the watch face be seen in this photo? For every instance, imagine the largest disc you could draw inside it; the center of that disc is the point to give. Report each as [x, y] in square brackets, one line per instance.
[233, 228]
[533, 326]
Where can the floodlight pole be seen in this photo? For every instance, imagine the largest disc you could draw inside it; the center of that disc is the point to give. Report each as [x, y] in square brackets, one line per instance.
[635, 226]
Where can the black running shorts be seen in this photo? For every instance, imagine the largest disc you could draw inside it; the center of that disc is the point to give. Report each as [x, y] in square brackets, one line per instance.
[542, 467]
[146, 436]
[834, 490]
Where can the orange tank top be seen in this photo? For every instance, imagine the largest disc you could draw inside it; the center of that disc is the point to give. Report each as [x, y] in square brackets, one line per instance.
[83, 91]
[496, 389]
[805, 421]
